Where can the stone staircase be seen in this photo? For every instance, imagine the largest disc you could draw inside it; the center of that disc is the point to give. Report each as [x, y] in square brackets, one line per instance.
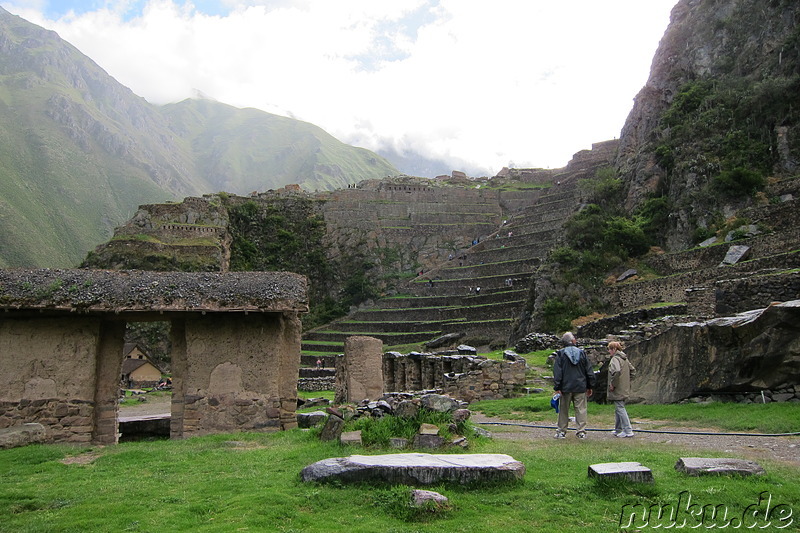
[478, 292]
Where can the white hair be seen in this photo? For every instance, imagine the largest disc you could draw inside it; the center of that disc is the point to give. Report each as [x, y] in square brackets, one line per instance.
[568, 338]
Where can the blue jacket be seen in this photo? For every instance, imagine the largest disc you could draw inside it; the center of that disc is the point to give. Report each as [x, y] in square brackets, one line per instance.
[572, 371]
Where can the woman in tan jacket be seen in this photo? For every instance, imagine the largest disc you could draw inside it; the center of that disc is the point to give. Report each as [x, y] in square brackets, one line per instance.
[620, 372]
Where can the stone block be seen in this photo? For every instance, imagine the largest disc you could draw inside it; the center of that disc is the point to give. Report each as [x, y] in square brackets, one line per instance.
[630, 471]
[417, 469]
[697, 466]
[735, 254]
[22, 435]
[428, 429]
[422, 498]
[461, 415]
[782, 396]
[352, 438]
[428, 441]
[439, 403]
[333, 428]
[398, 442]
[406, 409]
[309, 420]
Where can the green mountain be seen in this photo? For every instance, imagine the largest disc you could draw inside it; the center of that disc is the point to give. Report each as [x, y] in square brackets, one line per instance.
[79, 152]
[239, 150]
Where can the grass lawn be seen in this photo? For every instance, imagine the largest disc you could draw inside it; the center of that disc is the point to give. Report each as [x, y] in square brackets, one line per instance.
[250, 482]
[731, 417]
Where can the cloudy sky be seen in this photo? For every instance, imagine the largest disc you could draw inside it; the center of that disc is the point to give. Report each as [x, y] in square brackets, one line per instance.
[481, 84]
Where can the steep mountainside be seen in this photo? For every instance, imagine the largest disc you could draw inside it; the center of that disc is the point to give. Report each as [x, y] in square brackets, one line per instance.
[79, 152]
[240, 150]
[720, 113]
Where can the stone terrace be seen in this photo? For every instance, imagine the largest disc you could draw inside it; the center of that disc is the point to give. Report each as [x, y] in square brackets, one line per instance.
[444, 299]
[767, 274]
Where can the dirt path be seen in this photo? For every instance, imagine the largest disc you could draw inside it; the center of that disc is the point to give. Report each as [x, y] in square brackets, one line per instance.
[153, 405]
[785, 449]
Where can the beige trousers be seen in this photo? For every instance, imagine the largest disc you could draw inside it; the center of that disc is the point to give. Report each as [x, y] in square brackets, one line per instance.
[578, 399]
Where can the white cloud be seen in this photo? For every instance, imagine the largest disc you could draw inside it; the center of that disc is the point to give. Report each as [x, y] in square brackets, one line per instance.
[479, 82]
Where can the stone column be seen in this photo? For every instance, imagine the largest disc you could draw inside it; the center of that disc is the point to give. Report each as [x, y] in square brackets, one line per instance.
[108, 371]
[177, 334]
[359, 376]
[289, 368]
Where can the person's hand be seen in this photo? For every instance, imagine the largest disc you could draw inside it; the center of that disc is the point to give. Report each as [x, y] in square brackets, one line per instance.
[589, 392]
[611, 387]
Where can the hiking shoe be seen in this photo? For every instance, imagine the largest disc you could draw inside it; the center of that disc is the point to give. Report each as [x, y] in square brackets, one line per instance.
[624, 435]
[560, 435]
[583, 435]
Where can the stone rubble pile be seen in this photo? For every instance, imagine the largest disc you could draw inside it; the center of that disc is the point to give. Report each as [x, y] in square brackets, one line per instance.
[533, 342]
[402, 404]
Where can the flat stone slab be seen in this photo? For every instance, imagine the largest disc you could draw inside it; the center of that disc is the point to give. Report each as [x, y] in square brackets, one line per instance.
[417, 468]
[631, 471]
[736, 253]
[697, 466]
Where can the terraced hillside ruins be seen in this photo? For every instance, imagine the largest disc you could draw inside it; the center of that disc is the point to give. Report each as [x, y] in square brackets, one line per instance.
[473, 249]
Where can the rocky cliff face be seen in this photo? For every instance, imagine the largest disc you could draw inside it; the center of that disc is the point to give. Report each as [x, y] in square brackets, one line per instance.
[721, 104]
[750, 352]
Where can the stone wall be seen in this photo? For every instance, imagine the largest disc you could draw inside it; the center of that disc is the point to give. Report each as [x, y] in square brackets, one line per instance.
[235, 348]
[737, 295]
[316, 384]
[673, 288]
[601, 327]
[48, 375]
[463, 377]
[235, 375]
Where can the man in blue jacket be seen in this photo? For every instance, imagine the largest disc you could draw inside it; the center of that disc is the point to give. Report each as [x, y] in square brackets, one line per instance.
[574, 379]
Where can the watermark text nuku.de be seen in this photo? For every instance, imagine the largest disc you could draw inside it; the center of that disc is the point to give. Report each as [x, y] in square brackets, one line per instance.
[691, 514]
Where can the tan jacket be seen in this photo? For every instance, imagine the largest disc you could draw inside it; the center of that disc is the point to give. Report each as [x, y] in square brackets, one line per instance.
[620, 372]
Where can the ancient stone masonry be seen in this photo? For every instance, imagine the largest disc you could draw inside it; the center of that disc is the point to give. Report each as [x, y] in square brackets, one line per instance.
[464, 377]
[316, 379]
[235, 338]
[738, 295]
[743, 354]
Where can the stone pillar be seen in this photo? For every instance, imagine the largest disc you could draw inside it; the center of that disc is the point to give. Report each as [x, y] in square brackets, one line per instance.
[359, 376]
[291, 330]
[177, 333]
[109, 369]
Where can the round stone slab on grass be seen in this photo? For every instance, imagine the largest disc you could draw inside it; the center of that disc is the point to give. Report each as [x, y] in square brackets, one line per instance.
[417, 468]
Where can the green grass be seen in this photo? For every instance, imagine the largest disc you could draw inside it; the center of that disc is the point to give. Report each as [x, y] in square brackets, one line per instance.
[734, 417]
[250, 482]
[317, 354]
[136, 399]
[327, 394]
